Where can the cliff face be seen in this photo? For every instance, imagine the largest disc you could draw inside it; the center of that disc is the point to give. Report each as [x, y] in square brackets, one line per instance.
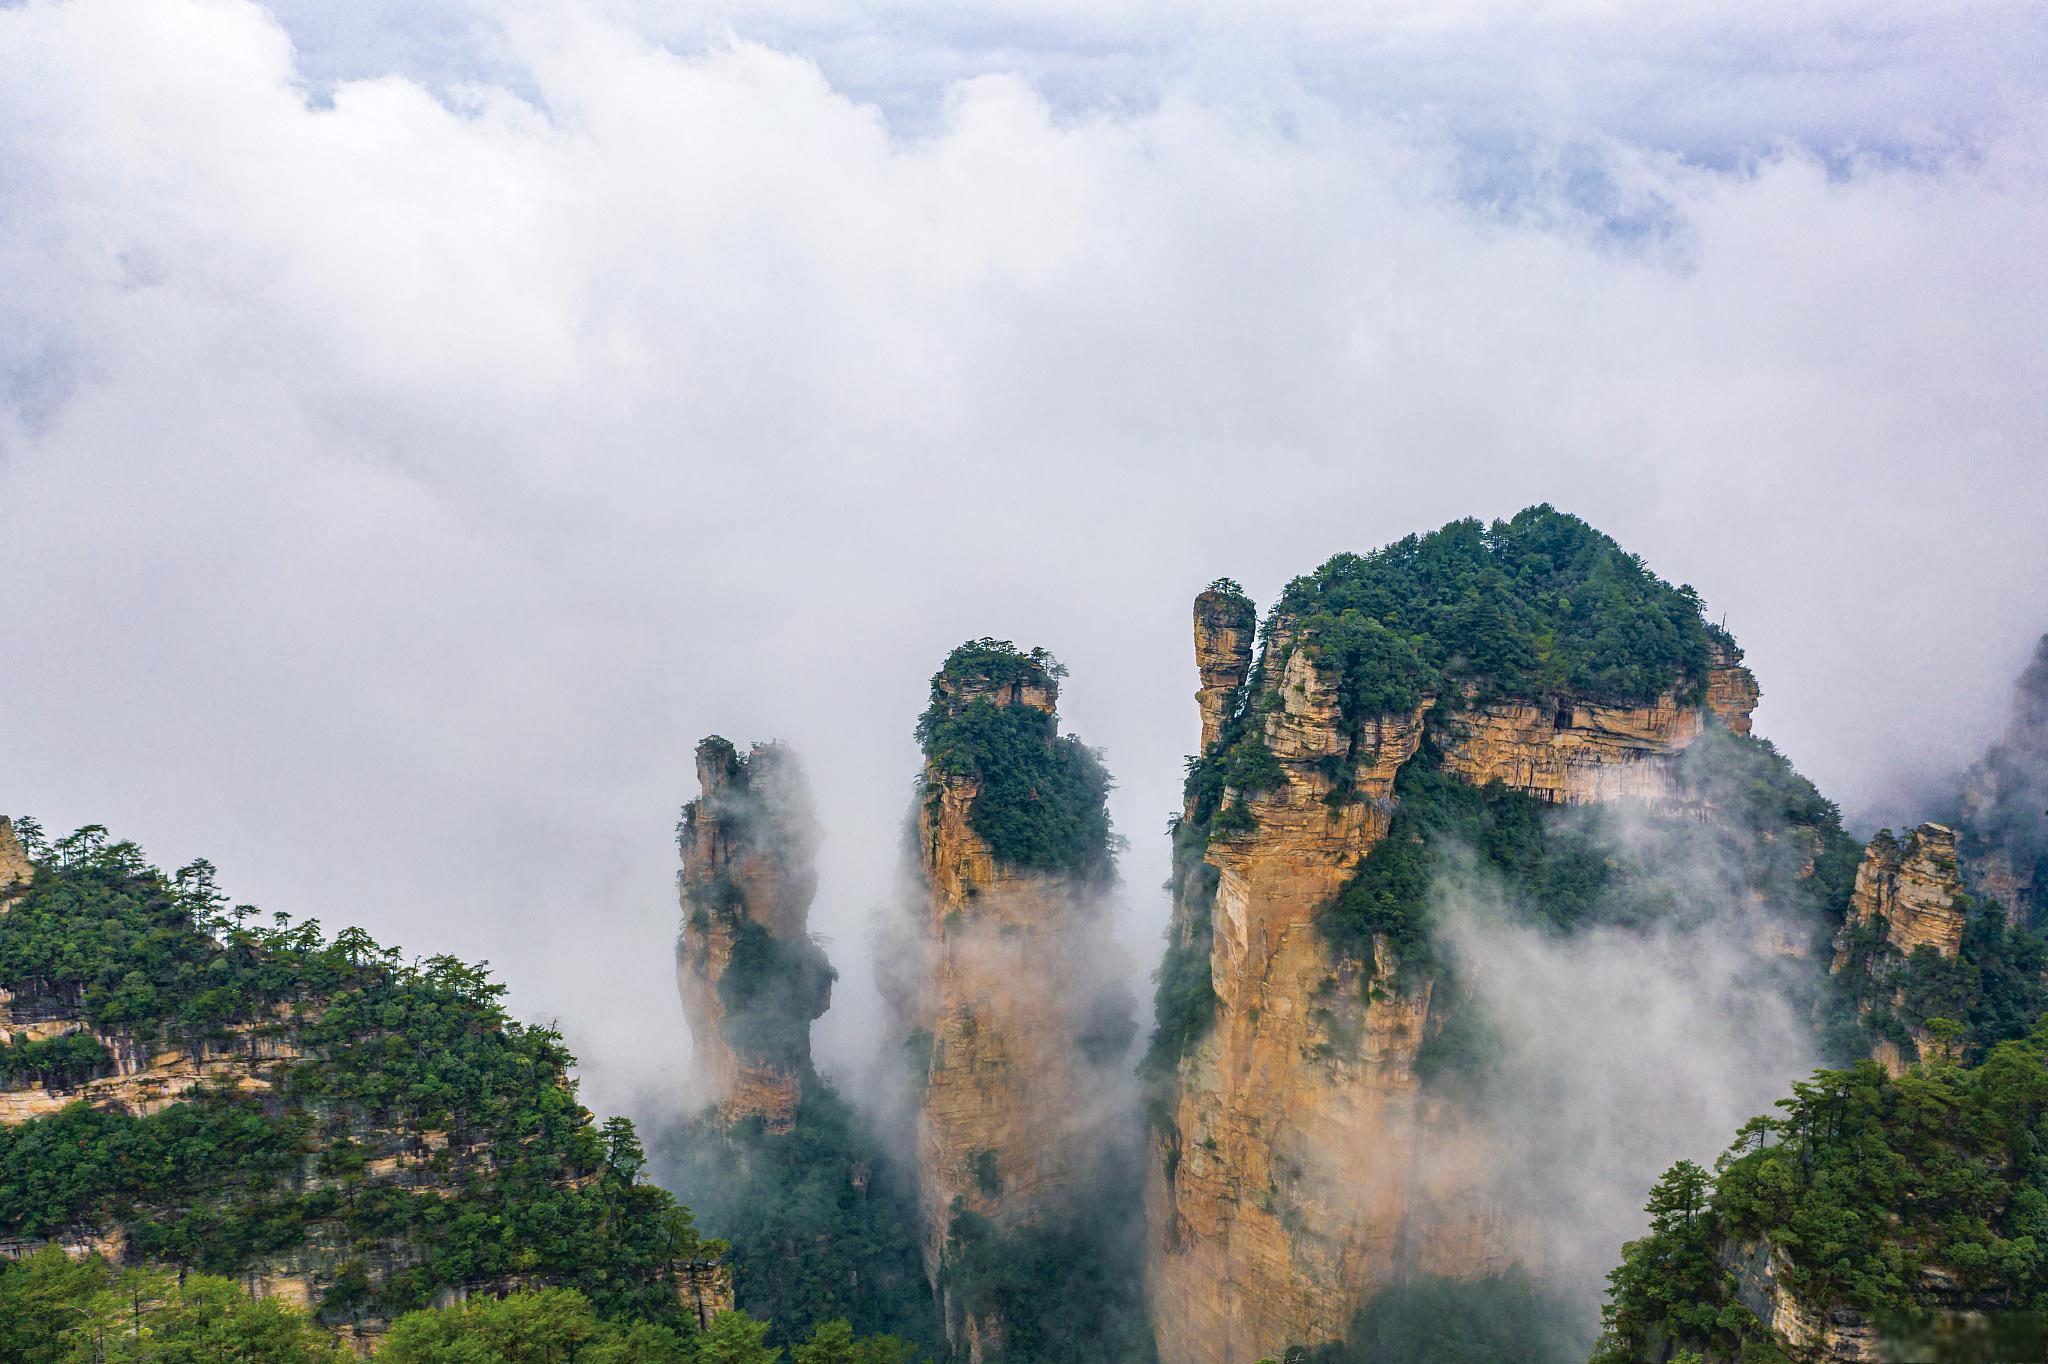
[995, 1127]
[1908, 896]
[751, 980]
[1301, 1165]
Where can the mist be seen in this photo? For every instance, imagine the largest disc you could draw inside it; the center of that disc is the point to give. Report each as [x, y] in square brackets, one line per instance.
[415, 436]
[1684, 1004]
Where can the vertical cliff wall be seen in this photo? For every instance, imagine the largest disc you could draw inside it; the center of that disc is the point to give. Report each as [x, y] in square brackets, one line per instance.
[1012, 1016]
[751, 979]
[1301, 1164]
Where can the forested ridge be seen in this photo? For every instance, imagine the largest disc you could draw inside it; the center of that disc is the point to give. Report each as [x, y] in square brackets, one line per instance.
[342, 1059]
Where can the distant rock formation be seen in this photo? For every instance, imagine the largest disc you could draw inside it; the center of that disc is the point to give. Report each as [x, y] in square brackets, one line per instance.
[2004, 815]
[751, 979]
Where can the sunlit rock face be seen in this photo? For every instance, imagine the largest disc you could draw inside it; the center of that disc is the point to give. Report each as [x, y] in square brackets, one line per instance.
[1300, 1164]
[750, 977]
[1012, 1020]
[1909, 897]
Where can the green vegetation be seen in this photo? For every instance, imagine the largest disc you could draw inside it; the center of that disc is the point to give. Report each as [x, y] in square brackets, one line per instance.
[820, 1225]
[57, 1311]
[411, 1061]
[1184, 995]
[1864, 1184]
[1043, 798]
[1541, 605]
[1506, 1320]
[58, 1062]
[1067, 1289]
[54, 1310]
[554, 1324]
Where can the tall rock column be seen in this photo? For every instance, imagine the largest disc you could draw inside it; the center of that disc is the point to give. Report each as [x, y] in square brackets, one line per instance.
[1225, 625]
[1300, 1165]
[751, 978]
[1015, 1008]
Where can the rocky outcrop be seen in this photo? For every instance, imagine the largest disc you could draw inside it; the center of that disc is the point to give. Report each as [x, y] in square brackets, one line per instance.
[1814, 1334]
[16, 871]
[147, 1079]
[1732, 692]
[705, 1288]
[1301, 1164]
[1909, 892]
[750, 977]
[1225, 626]
[1909, 896]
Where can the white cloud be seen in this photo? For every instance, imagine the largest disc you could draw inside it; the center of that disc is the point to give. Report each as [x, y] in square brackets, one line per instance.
[397, 478]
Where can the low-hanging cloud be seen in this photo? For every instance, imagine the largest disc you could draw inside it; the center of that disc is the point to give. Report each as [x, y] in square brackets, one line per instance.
[399, 473]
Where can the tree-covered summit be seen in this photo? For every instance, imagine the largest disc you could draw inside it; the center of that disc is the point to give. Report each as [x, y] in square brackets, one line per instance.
[1537, 606]
[1041, 798]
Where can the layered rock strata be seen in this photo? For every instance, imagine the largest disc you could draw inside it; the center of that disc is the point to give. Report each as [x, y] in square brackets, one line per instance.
[1301, 1165]
[1909, 896]
[751, 979]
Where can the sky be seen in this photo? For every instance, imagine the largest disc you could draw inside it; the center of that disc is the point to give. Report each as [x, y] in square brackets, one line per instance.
[420, 423]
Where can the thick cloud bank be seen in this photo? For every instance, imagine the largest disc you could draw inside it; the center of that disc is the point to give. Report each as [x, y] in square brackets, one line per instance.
[400, 472]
